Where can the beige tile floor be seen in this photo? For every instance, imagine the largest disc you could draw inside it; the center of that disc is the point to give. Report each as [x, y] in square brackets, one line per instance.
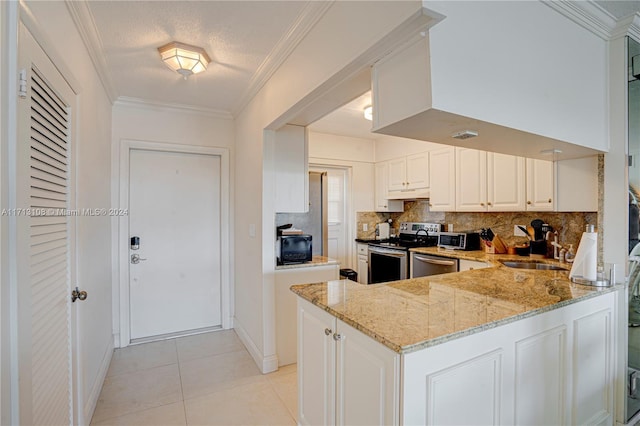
[206, 379]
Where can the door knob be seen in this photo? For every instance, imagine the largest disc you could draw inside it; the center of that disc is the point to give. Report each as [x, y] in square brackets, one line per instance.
[78, 294]
[135, 259]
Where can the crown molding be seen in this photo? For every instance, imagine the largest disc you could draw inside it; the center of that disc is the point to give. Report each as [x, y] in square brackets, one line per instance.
[587, 14]
[171, 107]
[629, 26]
[83, 20]
[306, 20]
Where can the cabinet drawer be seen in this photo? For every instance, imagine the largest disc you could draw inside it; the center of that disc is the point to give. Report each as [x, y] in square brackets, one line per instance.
[363, 249]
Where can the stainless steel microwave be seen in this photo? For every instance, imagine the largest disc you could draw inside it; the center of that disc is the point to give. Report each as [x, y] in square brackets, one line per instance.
[294, 249]
[459, 240]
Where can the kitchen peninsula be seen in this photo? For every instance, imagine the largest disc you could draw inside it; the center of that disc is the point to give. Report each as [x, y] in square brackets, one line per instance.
[497, 345]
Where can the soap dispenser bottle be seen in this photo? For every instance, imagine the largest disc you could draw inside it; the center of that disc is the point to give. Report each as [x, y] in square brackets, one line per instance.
[571, 254]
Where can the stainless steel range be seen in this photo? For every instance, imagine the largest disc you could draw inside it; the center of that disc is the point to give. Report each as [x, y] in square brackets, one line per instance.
[389, 260]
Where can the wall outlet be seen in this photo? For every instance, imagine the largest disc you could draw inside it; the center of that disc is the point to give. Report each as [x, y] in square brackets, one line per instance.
[450, 227]
[365, 227]
[517, 232]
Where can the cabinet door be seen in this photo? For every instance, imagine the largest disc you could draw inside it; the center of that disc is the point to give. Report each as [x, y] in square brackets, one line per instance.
[467, 265]
[540, 185]
[397, 177]
[418, 171]
[291, 169]
[316, 365]
[442, 180]
[471, 180]
[382, 189]
[505, 182]
[577, 185]
[363, 264]
[367, 380]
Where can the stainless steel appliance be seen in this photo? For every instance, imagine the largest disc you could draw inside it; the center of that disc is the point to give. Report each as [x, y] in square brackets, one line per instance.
[423, 265]
[459, 240]
[389, 260]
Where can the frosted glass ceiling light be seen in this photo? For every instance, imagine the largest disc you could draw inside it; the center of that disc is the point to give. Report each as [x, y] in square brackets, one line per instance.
[368, 113]
[184, 58]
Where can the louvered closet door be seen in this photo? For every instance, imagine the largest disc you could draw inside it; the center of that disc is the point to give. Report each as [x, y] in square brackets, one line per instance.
[43, 241]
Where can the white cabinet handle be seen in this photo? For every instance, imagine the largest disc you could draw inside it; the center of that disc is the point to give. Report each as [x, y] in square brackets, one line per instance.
[337, 336]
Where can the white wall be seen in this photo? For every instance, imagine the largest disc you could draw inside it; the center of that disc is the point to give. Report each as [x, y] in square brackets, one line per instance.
[93, 188]
[346, 30]
[522, 65]
[357, 155]
[157, 123]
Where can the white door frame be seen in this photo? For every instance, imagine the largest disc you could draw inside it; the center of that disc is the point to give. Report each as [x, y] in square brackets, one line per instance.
[349, 215]
[126, 145]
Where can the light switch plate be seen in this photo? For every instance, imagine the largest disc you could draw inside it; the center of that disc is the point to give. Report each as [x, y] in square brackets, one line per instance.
[365, 227]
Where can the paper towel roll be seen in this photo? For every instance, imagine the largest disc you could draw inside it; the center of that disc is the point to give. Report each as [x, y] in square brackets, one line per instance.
[585, 264]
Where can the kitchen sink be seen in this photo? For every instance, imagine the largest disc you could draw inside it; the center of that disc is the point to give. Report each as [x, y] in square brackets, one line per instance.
[533, 265]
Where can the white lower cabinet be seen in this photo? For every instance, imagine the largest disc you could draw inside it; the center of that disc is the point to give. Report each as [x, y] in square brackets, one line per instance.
[344, 377]
[467, 265]
[555, 368]
[363, 263]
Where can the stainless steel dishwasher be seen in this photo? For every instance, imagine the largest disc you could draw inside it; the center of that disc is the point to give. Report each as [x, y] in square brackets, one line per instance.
[423, 265]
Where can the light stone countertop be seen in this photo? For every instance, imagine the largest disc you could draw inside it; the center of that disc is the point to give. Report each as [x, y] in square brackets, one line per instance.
[482, 256]
[413, 314]
[315, 261]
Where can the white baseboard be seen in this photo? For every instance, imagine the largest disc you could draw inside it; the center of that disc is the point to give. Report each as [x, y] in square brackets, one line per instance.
[265, 364]
[92, 399]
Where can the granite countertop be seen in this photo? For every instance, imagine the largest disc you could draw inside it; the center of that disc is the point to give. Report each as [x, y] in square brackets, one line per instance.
[482, 256]
[413, 314]
[315, 261]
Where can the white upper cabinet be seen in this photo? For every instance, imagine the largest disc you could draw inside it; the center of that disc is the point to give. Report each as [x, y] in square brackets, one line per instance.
[540, 185]
[409, 176]
[487, 181]
[382, 201]
[505, 182]
[577, 185]
[291, 169]
[459, 77]
[471, 180]
[442, 178]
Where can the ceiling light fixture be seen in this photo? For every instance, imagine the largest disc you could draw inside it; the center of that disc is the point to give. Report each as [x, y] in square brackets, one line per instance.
[368, 113]
[465, 134]
[184, 58]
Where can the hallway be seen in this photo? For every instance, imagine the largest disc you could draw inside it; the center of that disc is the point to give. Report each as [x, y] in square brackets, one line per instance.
[205, 379]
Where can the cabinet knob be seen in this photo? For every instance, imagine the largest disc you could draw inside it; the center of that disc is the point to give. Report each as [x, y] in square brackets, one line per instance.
[482, 204]
[488, 204]
[337, 336]
[384, 207]
[549, 199]
[529, 202]
[327, 331]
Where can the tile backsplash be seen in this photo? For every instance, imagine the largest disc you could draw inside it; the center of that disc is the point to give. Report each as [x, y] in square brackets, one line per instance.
[569, 225]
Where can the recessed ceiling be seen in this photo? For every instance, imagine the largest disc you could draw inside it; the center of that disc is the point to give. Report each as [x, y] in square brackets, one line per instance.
[238, 36]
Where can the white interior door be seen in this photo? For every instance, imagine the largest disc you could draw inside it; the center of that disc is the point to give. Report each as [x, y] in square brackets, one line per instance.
[44, 249]
[174, 208]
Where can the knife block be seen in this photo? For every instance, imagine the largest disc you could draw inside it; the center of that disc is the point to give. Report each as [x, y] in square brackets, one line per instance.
[495, 246]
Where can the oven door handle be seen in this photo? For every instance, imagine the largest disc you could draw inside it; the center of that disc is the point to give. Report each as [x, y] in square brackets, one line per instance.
[435, 261]
[394, 253]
